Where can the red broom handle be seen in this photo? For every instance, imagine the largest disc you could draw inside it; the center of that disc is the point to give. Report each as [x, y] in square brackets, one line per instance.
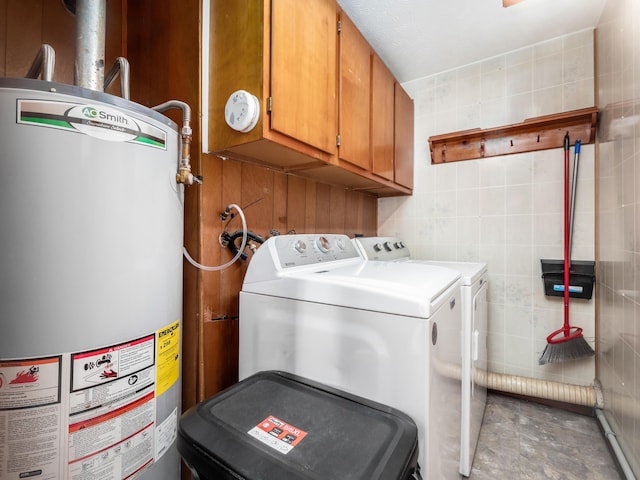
[566, 327]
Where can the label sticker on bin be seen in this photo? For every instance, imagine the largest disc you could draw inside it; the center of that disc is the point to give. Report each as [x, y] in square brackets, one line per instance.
[277, 434]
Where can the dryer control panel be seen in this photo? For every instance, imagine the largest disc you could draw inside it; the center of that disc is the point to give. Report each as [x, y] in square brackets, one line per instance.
[382, 248]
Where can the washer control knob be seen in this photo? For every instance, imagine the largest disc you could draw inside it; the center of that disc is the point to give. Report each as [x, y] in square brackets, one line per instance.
[398, 245]
[323, 244]
[377, 247]
[387, 246]
[340, 244]
[300, 246]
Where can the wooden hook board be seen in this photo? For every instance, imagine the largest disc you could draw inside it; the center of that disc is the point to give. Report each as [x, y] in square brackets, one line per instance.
[540, 133]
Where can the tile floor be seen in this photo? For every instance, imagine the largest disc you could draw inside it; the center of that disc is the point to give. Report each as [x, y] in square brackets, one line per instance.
[522, 440]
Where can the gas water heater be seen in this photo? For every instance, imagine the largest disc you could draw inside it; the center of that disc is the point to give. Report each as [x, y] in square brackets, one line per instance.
[91, 209]
[91, 285]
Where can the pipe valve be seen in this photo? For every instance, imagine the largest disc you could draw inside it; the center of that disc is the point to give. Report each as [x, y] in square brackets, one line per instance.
[184, 174]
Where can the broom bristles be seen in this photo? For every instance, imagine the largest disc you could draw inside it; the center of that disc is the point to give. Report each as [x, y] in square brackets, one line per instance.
[572, 349]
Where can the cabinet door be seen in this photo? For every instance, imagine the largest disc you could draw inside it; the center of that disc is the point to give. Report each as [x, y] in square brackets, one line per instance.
[382, 114]
[355, 93]
[303, 71]
[403, 138]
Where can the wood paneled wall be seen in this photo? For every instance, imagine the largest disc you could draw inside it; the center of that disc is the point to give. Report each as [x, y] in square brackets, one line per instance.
[161, 40]
[274, 201]
[27, 24]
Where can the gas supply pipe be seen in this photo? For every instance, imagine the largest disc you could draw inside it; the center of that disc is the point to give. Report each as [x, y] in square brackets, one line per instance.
[184, 174]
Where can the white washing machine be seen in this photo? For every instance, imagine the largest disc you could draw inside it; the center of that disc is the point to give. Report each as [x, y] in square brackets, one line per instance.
[474, 333]
[390, 332]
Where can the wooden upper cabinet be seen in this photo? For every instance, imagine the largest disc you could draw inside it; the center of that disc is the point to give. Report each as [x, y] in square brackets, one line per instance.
[403, 137]
[355, 91]
[315, 87]
[284, 53]
[382, 119]
[303, 71]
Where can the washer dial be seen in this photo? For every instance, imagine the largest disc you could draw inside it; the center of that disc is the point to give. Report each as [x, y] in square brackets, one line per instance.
[323, 244]
[300, 246]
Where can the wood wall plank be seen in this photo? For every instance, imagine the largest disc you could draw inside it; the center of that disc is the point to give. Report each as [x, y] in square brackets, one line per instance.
[221, 352]
[211, 225]
[163, 50]
[337, 205]
[59, 31]
[211, 169]
[323, 208]
[257, 197]
[27, 24]
[296, 204]
[116, 29]
[230, 278]
[354, 206]
[370, 216]
[231, 181]
[24, 35]
[4, 19]
[146, 51]
[280, 214]
[116, 40]
[311, 203]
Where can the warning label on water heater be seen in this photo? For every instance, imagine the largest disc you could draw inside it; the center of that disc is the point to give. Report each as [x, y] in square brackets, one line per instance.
[112, 411]
[89, 414]
[29, 383]
[168, 355]
[95, 120]
[30, 418]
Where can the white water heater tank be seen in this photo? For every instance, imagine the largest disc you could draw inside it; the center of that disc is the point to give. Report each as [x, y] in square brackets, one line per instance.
[90, 286]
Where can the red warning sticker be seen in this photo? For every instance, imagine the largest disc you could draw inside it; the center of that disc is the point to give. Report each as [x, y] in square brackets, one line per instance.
[277, 434]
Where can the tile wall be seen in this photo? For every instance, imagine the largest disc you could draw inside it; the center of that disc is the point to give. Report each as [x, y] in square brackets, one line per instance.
[618, 183]
[506, 211]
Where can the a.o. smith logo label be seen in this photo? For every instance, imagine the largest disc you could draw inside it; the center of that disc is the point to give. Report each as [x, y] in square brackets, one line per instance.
[98, 121]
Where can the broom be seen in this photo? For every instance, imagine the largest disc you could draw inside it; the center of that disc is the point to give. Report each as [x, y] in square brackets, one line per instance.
[566, 343]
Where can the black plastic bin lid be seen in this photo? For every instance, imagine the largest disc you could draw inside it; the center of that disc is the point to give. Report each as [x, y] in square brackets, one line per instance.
[278, 426]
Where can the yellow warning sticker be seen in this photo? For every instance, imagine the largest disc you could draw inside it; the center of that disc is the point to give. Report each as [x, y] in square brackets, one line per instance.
[168, 356]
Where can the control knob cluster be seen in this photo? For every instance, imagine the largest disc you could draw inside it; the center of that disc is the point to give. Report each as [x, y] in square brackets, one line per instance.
[322, 244]
[388, 246]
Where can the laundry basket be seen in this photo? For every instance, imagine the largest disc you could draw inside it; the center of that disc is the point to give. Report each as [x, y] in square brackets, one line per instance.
[275, 425]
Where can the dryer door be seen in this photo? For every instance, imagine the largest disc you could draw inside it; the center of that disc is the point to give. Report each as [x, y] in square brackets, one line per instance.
[478, 363]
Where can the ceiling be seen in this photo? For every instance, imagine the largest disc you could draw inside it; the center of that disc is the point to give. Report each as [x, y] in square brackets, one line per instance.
[418, 38]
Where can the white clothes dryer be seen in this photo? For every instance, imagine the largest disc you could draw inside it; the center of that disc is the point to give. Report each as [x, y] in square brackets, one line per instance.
[390, 332]
[474, 333]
